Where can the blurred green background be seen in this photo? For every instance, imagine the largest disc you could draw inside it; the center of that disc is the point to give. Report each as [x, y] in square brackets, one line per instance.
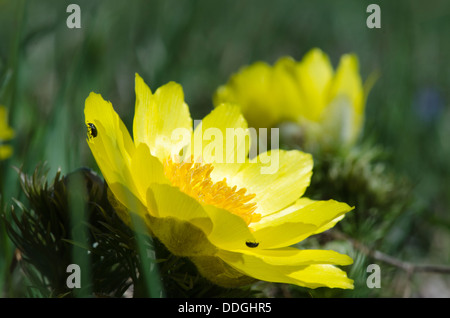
[47, 70]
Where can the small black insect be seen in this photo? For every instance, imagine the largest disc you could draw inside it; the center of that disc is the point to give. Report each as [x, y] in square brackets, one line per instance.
[92, 130]
[251, 244]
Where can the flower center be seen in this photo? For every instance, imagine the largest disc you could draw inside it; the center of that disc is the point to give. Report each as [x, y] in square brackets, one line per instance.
[193, 178]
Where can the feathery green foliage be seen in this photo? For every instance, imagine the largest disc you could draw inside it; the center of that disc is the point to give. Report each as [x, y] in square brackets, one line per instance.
[44, 236]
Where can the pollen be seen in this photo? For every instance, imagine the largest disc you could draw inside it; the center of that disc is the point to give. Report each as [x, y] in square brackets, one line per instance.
[194, 179]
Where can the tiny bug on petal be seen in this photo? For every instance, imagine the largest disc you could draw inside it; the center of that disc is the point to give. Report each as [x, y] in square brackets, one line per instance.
[92, 130]
[251, 244]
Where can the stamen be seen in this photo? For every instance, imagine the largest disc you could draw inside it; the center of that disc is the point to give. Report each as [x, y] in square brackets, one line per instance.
[194, 179]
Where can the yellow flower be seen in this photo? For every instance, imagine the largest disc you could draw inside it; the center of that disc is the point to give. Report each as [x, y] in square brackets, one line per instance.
[235, 223]
[328, 106]
[6, 133]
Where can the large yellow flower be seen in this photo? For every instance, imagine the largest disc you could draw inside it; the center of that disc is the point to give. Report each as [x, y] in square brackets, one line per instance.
[328, 106]
[234, 222]
[6, 133]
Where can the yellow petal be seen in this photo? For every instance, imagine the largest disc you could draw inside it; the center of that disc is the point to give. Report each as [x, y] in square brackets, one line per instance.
[312, 276]
[296, 223]
[126, 202]
[329, 225]
[165, 201]
[111, 146]
[220, 273]
[287, 96]
[314, 73]
[182, 238]
[158, 115]
[97, 110]
[146, 170]
[292, 256]
[347, 82]
[222, 138]
[222, 228]
[307, 211]
[347, 89]
[251, 88]
[5, 151]
[282, 235]
[339, 124]
[178, 221]
[322, 275]
[229, 231]
[6, 132]
[277, 178]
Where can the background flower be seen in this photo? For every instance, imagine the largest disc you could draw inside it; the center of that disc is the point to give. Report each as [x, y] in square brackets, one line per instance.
[6, 133]
[327, 105]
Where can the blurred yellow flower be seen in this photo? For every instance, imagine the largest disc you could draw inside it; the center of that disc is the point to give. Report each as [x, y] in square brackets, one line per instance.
[235, 223]
[6, 133]
[327, 105]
